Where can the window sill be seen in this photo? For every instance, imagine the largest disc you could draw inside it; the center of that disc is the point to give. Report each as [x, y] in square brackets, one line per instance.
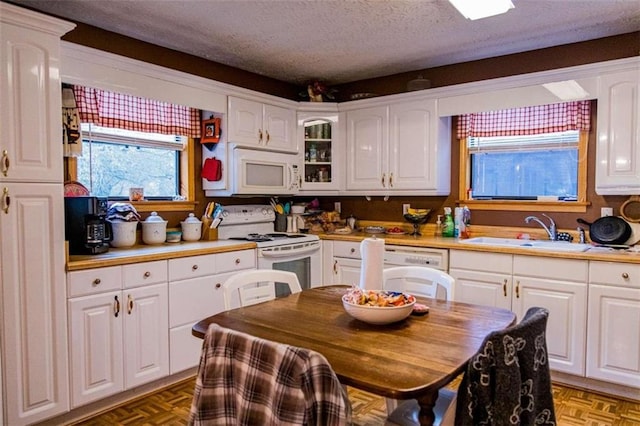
[533, 205]
[164, 206]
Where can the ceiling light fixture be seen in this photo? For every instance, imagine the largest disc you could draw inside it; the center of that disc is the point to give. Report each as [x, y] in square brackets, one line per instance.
[475, 9]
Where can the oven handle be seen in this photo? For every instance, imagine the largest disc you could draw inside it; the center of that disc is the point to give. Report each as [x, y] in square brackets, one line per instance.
[269, 253]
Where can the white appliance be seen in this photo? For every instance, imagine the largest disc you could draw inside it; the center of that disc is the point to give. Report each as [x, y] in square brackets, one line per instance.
[298, 253]
[256, 172]
[416, 256]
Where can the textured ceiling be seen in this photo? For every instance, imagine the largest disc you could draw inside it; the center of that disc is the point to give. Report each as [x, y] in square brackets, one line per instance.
[341, 41]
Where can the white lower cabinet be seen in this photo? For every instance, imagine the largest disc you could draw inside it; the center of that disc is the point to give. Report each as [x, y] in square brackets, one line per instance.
[118, 329]
[345, 263]
[613, 341]
[519, 282]
[195, 292]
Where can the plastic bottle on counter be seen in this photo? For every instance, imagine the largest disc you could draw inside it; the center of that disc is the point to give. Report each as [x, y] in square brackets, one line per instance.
[448, 227]
[457, 222]
[465, 231]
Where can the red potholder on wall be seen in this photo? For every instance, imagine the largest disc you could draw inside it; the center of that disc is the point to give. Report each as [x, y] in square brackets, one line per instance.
[212, 169]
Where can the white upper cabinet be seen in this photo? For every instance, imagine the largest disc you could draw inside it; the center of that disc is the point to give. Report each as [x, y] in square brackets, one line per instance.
[403, 148]
[618, 145]
[418, 148]
[367, 143]
[31, 144]
[255, 124]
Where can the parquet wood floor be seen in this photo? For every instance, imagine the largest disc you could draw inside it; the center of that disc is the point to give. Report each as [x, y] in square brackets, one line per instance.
[170, 407]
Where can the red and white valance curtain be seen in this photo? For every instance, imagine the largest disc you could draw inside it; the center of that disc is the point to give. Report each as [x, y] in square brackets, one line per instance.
[122, 111]
[531, 120]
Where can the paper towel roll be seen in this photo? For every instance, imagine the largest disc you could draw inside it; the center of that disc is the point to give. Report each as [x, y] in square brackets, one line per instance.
[372, 250]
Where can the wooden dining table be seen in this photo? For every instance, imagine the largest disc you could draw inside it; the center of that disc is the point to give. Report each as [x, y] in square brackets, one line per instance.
[409, 359]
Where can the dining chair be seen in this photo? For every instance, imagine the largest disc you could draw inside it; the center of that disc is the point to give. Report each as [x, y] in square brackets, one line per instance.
[419, 281]
[507, 381]
[246, 380]
[255, 286]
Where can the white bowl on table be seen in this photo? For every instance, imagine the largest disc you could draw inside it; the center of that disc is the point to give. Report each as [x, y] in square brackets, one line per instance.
[378, 314]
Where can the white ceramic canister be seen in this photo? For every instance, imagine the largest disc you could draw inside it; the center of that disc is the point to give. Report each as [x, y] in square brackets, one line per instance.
[124, 233]
[191, 228]
[154, 229]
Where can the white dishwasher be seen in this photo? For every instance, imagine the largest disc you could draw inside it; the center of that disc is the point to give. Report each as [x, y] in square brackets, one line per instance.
[416, 256]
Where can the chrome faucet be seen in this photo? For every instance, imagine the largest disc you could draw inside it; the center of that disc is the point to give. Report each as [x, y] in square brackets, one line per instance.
[551, 230]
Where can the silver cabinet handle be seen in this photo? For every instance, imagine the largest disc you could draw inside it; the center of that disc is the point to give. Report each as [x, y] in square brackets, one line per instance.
[147, 274]
[382, 180]
[259, 135]
[96, 282]
[504, 287]
[625, 275]
[129, 304]
[517, 289]
[116, 307]
[268, 137]
[194, 268]
[390, 180]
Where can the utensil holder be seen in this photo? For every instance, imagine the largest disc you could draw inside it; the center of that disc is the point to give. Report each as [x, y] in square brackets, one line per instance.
[208, 234]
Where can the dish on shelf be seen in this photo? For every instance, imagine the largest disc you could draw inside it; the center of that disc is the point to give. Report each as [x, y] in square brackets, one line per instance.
[396, 230]
[374, 229]
[73, 188]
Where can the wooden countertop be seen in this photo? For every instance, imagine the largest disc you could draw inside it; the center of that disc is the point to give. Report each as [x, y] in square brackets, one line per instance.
[146, 253]
[596, 253]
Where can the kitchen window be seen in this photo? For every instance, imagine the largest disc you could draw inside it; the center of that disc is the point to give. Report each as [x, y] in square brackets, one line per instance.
[531, 158]
[132, 142]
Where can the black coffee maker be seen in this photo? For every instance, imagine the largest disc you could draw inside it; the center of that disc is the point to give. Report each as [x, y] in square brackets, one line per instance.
[86, 227]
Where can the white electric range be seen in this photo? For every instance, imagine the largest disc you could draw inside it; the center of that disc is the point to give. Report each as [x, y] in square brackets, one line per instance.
[294, 252]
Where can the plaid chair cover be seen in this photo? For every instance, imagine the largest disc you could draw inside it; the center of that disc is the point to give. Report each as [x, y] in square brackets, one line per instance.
[245, 380]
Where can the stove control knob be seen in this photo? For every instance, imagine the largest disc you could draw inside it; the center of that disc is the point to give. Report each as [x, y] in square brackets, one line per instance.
[265, 212]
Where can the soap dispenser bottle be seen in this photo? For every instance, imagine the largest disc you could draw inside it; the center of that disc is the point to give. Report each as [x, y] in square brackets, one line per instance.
[438, 232]
[448, 227]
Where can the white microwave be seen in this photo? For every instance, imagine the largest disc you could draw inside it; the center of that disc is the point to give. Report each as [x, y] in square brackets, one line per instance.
[255, 172]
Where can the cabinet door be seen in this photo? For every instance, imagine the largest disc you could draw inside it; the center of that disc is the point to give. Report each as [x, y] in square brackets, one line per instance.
[96, 347]
[33, 302]
[482, 288]
[618, 156]
[320, 170]
[146, 334]
[367, 144]
[279, 128]
[190, 301]
[412, 138]
[567, 303]
[30, 106]
[245, 122]
[614, 341]
[346, 271]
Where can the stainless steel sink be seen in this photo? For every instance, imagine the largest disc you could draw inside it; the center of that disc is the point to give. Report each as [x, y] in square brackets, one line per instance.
[534, 244]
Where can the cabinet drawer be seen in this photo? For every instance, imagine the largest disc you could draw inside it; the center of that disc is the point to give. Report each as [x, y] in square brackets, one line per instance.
[192, 267]
[236, 260]
[195, 299]
[613, 273]
[144, 274]
[481, 261]
[551, 268]
[346, 249]
[93, 281]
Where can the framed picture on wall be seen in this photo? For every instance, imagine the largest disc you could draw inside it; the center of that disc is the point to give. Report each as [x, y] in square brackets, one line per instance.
[210, 131]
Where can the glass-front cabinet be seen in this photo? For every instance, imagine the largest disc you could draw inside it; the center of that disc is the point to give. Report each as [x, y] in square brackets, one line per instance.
[319, 132]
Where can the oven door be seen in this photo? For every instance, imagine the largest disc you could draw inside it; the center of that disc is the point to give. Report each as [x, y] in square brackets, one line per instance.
[303, 259]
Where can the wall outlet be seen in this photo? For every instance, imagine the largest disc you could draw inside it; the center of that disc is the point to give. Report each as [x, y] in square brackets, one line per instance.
[606, 211]
[405, 208]
[337, 206]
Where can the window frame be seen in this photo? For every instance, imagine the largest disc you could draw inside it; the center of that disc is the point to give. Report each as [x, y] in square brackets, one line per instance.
[186, 184]
[578, 206]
